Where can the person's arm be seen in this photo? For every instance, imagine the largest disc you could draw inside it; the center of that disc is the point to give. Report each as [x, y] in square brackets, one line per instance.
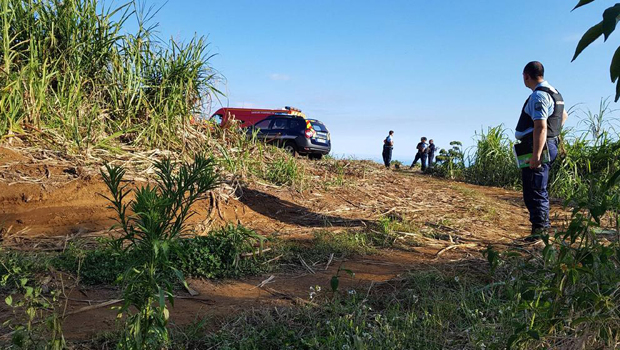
[564, 117]
[540, 137]
[540, 108]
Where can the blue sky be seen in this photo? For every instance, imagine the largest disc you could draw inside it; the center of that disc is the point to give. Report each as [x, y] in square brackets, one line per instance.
[441, 69]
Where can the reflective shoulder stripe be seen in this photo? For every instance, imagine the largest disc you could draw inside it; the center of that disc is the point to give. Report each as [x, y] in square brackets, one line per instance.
[559, 102]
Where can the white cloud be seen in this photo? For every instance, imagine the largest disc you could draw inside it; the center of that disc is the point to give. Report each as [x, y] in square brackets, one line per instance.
[279, 77]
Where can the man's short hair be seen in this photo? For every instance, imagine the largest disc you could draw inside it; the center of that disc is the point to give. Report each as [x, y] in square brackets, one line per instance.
[534, 70]
[423, 138]
[391, 132]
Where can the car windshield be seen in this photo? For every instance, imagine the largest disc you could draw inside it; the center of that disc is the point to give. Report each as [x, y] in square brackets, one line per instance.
[318, 126]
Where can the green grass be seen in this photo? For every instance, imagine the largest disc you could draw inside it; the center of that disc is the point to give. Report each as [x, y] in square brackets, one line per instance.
[284, 169]
[213, 256]
[74, 75]
[342, 244]
[349, 243]
[426, 310]
[492, 161]
[588, 153]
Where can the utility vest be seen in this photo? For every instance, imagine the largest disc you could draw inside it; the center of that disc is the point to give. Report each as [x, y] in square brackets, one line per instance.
[386, 144]
[554, 121]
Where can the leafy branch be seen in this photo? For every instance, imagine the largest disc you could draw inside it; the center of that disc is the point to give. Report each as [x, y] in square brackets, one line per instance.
[611, 16]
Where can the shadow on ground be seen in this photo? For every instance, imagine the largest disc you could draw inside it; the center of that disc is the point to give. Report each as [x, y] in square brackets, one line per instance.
[291, 213]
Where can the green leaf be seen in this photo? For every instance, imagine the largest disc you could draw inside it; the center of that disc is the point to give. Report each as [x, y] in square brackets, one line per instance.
[351, 273]
[334, 283]
[511, 341]
[610, 19]
[581, 3]
[579, 321]
[9, 300]
[166, 314]
[31, 312]
[162, 298]
[588, 38]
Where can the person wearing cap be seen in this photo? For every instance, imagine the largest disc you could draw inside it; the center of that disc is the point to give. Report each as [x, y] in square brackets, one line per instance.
[430, 152]
[388, 146]
[540, 125]
[421, 155]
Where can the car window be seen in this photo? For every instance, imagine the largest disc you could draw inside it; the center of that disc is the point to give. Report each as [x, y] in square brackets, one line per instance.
[280, 124]
[297, 124]
[217, 119]
[319, 127]
[264, 125]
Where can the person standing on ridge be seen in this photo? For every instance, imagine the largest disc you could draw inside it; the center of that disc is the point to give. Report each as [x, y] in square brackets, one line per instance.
[431, 152]
[388, 145]
[539, 126]
[421, 155]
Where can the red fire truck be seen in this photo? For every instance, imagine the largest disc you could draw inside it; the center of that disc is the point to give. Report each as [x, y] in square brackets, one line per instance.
[246, 117]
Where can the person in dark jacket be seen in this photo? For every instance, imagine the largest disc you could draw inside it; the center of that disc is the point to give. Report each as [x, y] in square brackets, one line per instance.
[431, 152]
[421, 155]
[388, 145]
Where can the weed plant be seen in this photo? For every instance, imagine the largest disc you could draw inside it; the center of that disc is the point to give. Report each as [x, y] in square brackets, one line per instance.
[29, 264]
[36, 321]
[450, 163]
[220, 253]
[100, 266]
[151, 233]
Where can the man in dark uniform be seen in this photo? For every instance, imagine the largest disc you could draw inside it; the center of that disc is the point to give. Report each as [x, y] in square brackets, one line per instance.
[388, 145]
[431, 152]
[421, 155]
[540, 124]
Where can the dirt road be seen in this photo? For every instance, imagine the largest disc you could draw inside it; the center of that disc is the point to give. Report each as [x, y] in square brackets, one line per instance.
[46, 202]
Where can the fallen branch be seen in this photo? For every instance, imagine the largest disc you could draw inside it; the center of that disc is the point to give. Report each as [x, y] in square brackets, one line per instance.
[93, 307]
[254, 253]
[454, 246]
[295, 299]
[274, 259]
[190, 290]
[265, 282]
[331, 257]
[303, 262]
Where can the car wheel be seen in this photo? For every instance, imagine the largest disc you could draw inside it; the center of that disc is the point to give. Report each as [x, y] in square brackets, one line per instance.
[290, 148]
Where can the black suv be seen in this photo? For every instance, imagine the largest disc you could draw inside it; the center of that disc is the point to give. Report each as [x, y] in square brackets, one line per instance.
[295, 134]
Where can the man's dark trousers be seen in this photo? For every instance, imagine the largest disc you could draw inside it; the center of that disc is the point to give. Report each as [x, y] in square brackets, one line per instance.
[387, 156]
[422, 158]
[535, 193]
[431, 155]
